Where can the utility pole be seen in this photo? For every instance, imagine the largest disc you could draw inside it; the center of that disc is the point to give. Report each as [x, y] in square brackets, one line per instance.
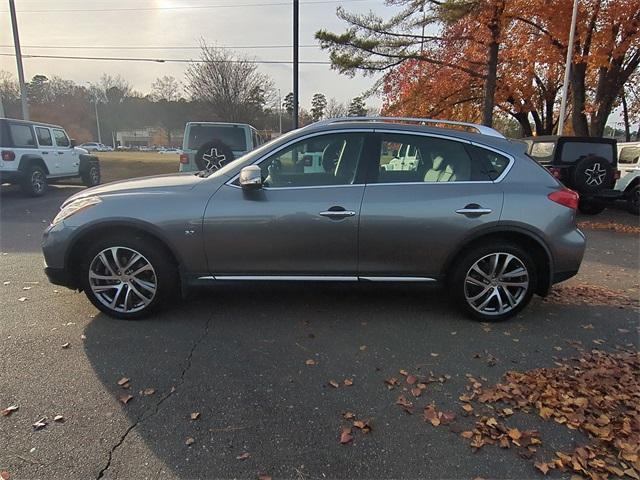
[567, 68]
[296, 8]
[1, 108]
[95, 102]
[279, 112]
[16, 43]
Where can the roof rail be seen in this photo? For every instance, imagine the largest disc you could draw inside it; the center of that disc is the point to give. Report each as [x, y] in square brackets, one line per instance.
[481, 129]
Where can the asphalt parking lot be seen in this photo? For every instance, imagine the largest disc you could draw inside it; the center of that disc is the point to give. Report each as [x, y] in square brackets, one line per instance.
[253, 363]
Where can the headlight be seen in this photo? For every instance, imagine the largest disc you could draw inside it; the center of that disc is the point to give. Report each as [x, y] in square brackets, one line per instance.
[75, 207]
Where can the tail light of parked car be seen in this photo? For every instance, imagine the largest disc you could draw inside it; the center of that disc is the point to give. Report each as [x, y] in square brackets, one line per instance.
[184, 158]
[8, 155]
[556, 172]
[565, 197]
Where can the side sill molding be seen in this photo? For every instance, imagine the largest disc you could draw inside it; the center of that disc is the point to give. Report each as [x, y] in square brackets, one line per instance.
[313, 278]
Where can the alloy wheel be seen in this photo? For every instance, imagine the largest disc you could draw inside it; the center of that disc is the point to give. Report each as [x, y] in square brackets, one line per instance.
[496, 284]
[122, 279]
[94, 174]
[37, 181]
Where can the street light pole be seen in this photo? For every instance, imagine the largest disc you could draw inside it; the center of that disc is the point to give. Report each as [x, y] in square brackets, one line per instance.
[567, 68]
[16, 42]
[279, 112]
[296, 8]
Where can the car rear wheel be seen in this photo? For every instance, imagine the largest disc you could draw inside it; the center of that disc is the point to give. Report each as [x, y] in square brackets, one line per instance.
[633, 200]
[493, 282]
[35, 181]
[91, 177]
[128, 276]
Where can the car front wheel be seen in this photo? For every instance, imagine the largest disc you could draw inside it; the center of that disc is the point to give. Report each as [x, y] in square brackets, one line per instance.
[493, 282]
[128, 276]
[633, 200]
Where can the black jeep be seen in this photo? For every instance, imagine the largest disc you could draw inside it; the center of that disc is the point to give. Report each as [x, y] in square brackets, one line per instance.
[587, 165]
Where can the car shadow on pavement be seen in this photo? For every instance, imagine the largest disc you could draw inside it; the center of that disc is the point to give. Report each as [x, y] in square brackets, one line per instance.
[253, 364]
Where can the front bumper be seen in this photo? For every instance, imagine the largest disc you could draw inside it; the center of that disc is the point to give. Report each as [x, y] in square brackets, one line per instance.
[59, 276]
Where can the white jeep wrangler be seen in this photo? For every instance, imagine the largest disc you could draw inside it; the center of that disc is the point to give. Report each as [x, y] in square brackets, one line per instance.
[32, 154]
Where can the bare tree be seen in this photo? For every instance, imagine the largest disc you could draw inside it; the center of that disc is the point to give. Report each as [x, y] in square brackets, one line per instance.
[166, 88]
[230, 84]
[335, 109]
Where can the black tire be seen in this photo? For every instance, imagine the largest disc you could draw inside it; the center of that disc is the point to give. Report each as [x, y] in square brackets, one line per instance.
[458, 284]
[164, 274]
[591, 207]
[592, 174]
[213, 155]
[35, 182]
[633, 200]
[92, 176]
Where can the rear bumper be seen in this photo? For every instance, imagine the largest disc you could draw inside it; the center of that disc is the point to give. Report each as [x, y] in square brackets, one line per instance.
[10, 176]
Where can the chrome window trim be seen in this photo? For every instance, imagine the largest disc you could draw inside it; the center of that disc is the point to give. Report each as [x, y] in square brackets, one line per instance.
[296, 140]
[397, 279]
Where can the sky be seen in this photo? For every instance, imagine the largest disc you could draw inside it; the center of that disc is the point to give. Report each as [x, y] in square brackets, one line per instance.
[173, 23]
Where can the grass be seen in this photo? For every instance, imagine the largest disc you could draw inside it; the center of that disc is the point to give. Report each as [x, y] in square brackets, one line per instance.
[123, 165]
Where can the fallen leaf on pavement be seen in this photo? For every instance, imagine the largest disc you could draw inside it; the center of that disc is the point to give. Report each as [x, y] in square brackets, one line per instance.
[543, 467]
[189, 441]
[416, 392]
[264, 476]
[4, 475]
[363, 348]
[148, 391]
[40, 423]
[411, 379]
[59, 419]
[243, 456]
[345, 436]
[310, 362]
[363, 425]
[22, 299]
[123, 381]
[514, 434]
[66, 345]
[334, 384]
[435, 354]
[124, 398]
[348, 415]
[9, 410]
[467, 408]
[348, 382]
[195, 415]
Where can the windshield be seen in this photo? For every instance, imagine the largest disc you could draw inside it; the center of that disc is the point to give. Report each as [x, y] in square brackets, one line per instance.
[232, 135]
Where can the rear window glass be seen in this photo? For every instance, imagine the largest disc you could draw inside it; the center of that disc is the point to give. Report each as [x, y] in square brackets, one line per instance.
[542, 151]
[629, 154]
[492, 164]
[574, 151]
[233, 136]
[44, 137]
[22, 136]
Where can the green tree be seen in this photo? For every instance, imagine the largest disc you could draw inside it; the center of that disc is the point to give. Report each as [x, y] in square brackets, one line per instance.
[357, 108]
[287, 103]
[318, 105]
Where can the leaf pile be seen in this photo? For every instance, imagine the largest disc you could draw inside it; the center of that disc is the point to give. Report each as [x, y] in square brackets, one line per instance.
[591, 295]
[611, 226]
[598, 394]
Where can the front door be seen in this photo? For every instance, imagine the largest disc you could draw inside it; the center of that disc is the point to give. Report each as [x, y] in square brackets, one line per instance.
[66, 156]
[417, 212]
[302, 223]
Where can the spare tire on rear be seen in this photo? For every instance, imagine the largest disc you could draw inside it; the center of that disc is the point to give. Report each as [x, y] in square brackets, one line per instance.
[213, 155]
[592, 174]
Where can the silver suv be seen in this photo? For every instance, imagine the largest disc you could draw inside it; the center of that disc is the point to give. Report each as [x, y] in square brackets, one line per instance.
[473, 213]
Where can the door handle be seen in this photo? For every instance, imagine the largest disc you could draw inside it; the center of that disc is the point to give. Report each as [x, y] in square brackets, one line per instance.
[60, 153]
[45, 153]
[473, 209]
[337, 213]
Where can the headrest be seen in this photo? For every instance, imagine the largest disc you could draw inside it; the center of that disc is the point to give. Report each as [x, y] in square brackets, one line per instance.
[438, 162]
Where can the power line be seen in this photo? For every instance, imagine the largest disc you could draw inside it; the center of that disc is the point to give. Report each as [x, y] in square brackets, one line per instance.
[163, 60]
[148, 47]
[186, 7]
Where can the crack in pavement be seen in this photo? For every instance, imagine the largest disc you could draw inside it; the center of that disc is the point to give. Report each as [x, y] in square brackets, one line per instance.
[146, 415]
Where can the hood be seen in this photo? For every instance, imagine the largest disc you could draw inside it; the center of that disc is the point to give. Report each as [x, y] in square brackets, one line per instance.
[155, 184]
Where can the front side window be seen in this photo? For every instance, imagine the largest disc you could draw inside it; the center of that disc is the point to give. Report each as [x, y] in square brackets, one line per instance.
[22, 136]
[44, 137]
[61, 138]
[419, 159]
[317, 161]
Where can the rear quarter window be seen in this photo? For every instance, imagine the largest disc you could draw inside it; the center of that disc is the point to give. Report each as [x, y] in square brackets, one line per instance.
[22, 136]
[490, 164]
[574, 151]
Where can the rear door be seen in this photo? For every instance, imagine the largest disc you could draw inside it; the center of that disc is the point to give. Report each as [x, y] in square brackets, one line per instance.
[412, 219]
[47, 149]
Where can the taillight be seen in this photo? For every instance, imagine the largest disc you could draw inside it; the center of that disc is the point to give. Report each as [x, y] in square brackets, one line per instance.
[8, 155]
[616, 174]
[184, 158]
[556, 172]
[565, 197]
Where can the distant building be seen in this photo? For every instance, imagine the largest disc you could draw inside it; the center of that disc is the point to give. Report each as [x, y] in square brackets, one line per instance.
[147, 137]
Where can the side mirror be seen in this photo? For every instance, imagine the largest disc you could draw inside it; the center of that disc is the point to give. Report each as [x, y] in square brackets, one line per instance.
[251, 177]
[73, 143]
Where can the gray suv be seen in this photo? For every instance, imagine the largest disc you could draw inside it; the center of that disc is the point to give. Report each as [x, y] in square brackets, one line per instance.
[470, 211]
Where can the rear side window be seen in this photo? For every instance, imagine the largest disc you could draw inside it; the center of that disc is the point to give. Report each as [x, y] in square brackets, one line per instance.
[574, 151]
[44, 137]
[491, 164]
[61, 138]
[234, 137]
[629, 154]
[22, 136]
[421, 159]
